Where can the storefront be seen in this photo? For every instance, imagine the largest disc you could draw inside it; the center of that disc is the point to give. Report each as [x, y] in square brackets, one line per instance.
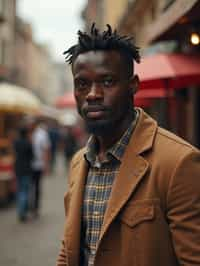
[162, 27]
[171, 79]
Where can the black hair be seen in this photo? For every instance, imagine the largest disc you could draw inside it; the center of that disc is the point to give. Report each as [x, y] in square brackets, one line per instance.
[23, 132]
[106, 40]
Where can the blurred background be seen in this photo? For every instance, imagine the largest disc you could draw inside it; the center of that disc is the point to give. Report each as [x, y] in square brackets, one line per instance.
[35, 83]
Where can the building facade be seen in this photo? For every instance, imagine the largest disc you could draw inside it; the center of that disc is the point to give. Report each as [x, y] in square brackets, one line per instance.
[7, 37]
[34, 66]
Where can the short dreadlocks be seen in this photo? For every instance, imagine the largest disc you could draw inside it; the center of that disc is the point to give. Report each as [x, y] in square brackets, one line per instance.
[106, 40]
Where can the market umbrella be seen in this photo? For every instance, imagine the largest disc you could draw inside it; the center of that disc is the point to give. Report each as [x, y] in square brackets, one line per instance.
[18, 99]
[48, 111]
[168, 71]
[68, 118]
[66, 101]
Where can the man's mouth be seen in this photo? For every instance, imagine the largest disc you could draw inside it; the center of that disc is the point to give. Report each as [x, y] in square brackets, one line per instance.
[95, 112]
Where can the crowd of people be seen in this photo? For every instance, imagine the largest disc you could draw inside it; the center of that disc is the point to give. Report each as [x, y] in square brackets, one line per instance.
[35, 147]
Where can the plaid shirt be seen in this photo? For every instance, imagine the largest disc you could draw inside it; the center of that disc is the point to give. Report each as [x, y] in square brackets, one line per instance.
[97, 191]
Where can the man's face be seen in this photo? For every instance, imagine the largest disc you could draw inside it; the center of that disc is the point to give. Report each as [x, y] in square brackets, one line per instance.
[102, 90]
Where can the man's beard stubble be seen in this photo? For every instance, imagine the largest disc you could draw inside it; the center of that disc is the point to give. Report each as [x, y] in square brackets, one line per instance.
[100, 128]
[109, 124]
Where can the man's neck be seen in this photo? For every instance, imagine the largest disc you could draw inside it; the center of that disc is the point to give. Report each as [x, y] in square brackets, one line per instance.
[107, 141]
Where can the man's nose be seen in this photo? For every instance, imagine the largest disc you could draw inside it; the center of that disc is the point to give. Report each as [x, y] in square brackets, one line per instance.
[95, 92]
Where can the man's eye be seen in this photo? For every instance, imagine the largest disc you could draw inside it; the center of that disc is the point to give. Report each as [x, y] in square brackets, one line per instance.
[81, 84]
[108, 82]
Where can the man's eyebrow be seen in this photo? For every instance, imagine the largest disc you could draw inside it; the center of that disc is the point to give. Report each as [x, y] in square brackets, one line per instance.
[105, 74]
[80, 76]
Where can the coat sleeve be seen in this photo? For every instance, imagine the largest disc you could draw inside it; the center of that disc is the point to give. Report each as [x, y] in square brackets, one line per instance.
[62, 257]
[183, 209]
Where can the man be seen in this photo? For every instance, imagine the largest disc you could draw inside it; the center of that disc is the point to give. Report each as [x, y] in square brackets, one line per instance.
[54, 139]
[134, 191]
[40, 162]
[23, 157]
[70, 143]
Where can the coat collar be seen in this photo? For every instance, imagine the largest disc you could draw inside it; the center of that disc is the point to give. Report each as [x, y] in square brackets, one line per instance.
[131, 172]
[144, 133]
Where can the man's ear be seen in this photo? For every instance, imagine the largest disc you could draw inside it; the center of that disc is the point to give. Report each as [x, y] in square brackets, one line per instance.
[134, 84]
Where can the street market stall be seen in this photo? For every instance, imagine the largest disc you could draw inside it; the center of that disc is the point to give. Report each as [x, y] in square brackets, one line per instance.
[14, 103]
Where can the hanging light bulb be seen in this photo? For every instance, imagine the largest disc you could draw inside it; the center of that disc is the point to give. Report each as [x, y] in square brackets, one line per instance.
[195, 38]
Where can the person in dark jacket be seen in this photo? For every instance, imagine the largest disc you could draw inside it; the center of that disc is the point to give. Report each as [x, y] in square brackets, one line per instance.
[70, 143]
[23, 155]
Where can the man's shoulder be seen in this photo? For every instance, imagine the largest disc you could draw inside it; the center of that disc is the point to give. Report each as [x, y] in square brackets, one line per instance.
[169, 149]
[172, 141]
[78, 156]
[148, 127]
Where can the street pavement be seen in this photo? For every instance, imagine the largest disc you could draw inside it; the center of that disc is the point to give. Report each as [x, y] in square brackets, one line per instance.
[36, 242]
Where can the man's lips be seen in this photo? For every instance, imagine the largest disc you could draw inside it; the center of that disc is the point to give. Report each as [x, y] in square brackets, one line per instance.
[95, 112]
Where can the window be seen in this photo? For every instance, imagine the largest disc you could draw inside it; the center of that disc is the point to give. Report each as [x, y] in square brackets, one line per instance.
[1, 10]
[5, 53]
[2, 52]
[7, 9]
[1, 6]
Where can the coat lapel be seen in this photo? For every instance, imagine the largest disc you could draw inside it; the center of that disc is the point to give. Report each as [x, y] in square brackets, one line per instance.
[132, 169]
[130, 174]
[73, 224]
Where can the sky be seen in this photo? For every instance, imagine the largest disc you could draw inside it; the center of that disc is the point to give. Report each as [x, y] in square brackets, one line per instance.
[54, 22]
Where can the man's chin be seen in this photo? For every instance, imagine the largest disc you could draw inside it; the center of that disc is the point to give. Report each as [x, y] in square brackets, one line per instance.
[99, 128]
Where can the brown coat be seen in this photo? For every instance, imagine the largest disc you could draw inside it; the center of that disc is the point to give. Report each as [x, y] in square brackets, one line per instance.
[153, 215]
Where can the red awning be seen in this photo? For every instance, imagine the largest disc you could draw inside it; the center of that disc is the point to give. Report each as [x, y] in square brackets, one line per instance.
[144, 98]
[150, 93]
[66, 100]
[144, 103]
[168, 71]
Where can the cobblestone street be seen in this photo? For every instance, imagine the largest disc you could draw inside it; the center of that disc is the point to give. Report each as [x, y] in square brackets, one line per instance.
[36, 242]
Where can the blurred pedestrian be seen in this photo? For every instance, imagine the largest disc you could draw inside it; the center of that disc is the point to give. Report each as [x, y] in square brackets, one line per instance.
[70, 143]
[23, 158]
[54, 137]
[40, 162]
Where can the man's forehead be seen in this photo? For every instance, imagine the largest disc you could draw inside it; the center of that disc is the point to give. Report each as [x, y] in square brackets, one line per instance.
[97, 58]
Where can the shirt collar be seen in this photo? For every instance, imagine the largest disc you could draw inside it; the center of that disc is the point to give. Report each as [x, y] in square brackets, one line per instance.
[116, 151]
